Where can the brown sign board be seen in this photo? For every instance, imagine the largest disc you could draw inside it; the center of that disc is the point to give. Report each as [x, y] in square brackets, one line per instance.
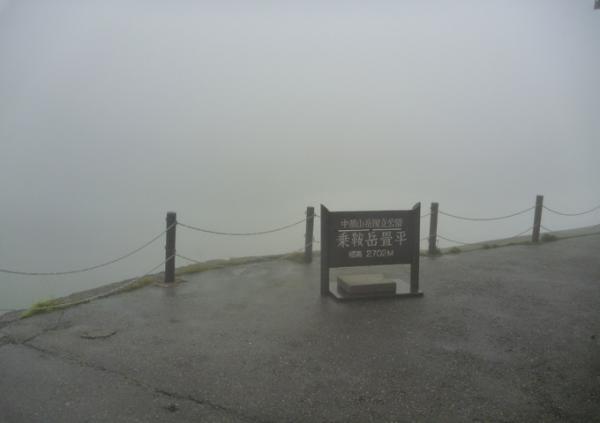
[370, 238]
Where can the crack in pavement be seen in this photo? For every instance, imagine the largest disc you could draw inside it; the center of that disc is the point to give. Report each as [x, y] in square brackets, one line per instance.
[175, 395]
[138, 383]
[11, 340]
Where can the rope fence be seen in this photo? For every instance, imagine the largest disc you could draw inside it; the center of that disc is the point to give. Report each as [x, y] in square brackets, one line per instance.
[269, 231]
[523, 232]
[275, 256]
[87, 269]
[188, 259]
[308, 219]
[479, 242]
[572, 214]
[453, 240]
[486, 219]
[547, 229]
[170, 227]
[535, 229]
[115, 290]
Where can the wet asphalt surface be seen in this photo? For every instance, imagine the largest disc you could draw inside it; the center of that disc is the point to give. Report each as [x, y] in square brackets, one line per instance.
[502, 335]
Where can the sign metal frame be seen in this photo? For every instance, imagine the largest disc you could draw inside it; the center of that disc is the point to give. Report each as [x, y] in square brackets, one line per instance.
[370, 238]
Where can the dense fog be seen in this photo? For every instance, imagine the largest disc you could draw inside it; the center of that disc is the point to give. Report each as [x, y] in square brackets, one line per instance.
[238, 115]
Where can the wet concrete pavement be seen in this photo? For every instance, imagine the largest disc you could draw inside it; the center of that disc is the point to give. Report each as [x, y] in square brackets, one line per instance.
[502, 335]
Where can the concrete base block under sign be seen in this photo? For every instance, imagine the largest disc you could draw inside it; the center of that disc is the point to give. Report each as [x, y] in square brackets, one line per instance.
[369, 286]
[373, 283]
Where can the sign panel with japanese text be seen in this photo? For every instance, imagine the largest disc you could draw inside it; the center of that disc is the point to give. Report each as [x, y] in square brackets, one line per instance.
[369, 238]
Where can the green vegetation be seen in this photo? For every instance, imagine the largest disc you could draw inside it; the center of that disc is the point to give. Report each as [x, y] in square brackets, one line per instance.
[56, 304]
[42, 307]
[295, 257]
[140, 283]
[490, 246]
[47, 306]
[219, 264]
[510, 244]
[548, 237]
[425, 253]
[298, 257]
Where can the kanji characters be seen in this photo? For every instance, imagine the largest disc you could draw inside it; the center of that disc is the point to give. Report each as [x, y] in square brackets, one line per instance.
[357, 239]
[343, 240]
[400, 237]
[371, 239]
[386, 239]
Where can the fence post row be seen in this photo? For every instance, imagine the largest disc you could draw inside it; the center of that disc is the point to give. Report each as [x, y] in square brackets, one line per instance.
[308, 236]
[433, 219]
[170, 248]
[537, 218]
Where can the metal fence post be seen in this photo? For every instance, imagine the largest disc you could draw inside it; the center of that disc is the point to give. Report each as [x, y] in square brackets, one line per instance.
[537, 218]
[170, 248]
[308, 236]
[416, 255]
[433, 219]
[324, 253]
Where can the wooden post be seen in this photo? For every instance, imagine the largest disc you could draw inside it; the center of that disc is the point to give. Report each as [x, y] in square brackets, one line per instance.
[324, 257]
[414, 266]
[170, 248]
[433, 219]
[537, 218]
[308, 236]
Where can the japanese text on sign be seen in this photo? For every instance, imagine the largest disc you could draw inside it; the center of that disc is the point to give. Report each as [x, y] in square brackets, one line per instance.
[370, 237]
